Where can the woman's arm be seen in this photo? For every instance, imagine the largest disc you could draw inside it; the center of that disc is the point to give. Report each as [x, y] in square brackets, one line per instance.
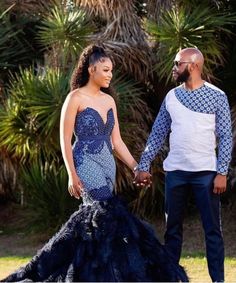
[67, 122]
[120, 149]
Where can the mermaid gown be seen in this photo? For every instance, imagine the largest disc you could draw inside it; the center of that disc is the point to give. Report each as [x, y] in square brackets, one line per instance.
[102, 241]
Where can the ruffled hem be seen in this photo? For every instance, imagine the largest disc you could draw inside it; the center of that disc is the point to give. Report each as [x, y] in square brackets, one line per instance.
[102, 242]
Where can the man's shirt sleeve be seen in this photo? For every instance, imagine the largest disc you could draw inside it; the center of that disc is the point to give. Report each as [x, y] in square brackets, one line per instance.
[224, 135]
[160, 129]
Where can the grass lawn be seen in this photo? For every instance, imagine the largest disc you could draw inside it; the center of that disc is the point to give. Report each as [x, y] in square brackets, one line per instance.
[196, 266]
[9, 264]
[17, 246]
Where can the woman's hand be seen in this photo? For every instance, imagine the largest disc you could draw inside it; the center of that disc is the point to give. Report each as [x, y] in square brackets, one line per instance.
[143, 179]
[75, 186]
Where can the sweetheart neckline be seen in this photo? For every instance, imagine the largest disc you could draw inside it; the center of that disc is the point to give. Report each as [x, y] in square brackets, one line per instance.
[96, 111]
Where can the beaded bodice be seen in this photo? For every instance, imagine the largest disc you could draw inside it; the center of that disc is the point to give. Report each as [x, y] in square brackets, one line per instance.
[91, 131]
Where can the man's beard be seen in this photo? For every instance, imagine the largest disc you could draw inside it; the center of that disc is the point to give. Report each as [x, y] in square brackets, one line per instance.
[183, 77]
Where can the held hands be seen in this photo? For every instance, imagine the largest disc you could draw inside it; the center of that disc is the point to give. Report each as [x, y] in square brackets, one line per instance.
[75, 186]
[142, 179]
[220, 182]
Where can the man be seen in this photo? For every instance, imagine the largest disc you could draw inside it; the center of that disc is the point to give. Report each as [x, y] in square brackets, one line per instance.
[197, 115]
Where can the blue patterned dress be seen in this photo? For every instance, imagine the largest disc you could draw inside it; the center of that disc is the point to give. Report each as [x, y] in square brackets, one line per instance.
[102, 241]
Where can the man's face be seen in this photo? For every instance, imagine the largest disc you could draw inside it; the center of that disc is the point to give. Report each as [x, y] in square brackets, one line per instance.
[183, 76]
[180, 70]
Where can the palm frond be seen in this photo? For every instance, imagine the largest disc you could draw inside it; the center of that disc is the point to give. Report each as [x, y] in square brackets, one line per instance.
[135, 60]
[201, 27]
[132, 110]
[154, 8]
[30, 119]
[46, 195]
[123, 35]
[65, 32]
[134, 118]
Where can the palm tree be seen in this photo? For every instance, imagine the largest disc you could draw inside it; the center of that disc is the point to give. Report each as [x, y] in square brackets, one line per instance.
[15, 49]
[30, 125]
[29, 111]
[29, 120]
[199, 26]
[46, 196]
[123, 35]
[64, 33]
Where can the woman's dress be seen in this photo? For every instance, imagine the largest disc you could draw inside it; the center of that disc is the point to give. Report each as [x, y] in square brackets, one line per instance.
[102, 241]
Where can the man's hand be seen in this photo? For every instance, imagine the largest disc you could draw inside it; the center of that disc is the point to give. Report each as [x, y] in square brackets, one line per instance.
[142, 179]
[220, 182]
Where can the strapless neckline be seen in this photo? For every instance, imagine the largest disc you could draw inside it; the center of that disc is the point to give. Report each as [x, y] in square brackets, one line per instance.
[97, 112]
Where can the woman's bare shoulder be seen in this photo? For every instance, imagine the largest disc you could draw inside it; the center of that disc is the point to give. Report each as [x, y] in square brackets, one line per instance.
[73, 100]
[74, 95]
[109, 98]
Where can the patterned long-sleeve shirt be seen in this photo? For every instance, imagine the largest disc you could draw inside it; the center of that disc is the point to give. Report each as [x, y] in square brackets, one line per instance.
[198, 122]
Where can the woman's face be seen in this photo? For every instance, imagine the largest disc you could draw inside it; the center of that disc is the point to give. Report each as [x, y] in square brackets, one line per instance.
[101, 72]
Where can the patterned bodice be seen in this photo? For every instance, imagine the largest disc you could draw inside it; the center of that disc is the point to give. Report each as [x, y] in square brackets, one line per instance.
[91, 131]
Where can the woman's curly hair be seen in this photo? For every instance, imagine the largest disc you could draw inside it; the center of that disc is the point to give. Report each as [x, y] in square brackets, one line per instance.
[91, 54]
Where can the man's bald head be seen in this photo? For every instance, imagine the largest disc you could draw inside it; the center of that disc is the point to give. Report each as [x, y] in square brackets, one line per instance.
[193, 55]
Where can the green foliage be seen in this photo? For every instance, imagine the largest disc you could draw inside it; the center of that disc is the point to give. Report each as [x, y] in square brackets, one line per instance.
[29, 127]
[30, 117]
[134, 118]
[201, 26]
[47, 197]
[65, 32]
[132, 109]
[30, 120]
[15, 48]
[228, 75]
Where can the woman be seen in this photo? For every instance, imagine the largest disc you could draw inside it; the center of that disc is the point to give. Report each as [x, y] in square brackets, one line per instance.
[101, 241]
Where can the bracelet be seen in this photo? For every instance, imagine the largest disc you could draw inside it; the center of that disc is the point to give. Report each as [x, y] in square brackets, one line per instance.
[135, 168]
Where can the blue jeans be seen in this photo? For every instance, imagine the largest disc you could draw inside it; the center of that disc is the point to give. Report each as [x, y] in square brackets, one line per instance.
[177, 185]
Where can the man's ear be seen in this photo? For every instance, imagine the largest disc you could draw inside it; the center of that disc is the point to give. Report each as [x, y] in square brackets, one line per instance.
[192, 66]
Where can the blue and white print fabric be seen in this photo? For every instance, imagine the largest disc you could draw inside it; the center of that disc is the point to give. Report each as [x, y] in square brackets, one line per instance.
[92, 153]
[197, 120]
